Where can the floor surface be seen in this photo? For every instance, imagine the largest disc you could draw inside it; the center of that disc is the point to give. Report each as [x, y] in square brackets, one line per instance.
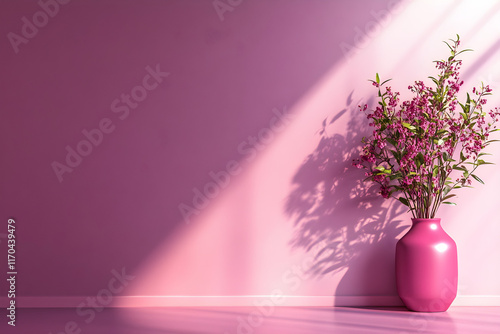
[254, 320]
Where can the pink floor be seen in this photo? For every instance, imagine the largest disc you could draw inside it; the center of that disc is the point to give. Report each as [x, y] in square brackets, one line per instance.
[246, 320]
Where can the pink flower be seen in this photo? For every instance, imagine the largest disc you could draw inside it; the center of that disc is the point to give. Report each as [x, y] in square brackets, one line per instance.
[384, 191]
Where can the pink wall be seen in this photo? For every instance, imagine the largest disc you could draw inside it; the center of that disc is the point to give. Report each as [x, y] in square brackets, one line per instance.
[289, 214]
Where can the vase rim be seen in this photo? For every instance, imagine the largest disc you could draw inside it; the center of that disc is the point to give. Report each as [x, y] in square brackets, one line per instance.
[426, 220]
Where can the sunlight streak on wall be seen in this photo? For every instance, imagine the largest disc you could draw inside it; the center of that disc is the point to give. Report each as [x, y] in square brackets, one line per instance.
[243, 243]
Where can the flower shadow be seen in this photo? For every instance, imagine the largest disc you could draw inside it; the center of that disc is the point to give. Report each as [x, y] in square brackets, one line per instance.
[339, 218]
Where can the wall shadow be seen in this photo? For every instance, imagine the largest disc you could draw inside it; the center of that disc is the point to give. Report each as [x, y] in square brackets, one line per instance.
[342, 219]
[122, 202]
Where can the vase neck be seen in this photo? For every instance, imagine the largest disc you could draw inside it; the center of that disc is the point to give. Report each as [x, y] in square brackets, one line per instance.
[432, 223]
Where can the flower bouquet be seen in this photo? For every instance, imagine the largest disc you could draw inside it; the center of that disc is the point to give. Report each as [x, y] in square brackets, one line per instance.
[424, 149]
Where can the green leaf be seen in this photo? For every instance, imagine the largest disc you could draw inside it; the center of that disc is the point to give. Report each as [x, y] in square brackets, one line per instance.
[435, 171]
[465, 50]
[449, 196]
[445, 42]
[446, 190]
[477, 178]
[391, 141]
[462, 156]
[463, 107]
[461, 168]
[409, 126]
[434, 80]
[382, 169]
[404, 201]
[385, 82]
[451, 203]
[420, 158]
[395, 176]
[445, 156]
[377, 78]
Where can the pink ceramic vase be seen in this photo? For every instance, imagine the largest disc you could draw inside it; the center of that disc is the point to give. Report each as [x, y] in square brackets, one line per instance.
[426, 267]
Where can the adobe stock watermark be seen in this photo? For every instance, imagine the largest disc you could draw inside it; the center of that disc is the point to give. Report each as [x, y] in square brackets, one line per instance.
[30, 26]
[121, 107]
[371, 29]
[223, 6]
[291, 280]
[11, 271]
[88, 309]
[248, 149]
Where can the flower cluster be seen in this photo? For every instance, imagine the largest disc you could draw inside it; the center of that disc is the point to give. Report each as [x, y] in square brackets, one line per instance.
[416, 145]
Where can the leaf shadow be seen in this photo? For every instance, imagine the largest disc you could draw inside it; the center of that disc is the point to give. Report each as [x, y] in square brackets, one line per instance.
[340, 219]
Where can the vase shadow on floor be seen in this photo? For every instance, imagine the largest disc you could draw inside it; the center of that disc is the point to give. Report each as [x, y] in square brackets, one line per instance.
[341, 219]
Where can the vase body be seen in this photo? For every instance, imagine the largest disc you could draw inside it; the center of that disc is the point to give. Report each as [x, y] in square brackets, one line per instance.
[426, 267]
